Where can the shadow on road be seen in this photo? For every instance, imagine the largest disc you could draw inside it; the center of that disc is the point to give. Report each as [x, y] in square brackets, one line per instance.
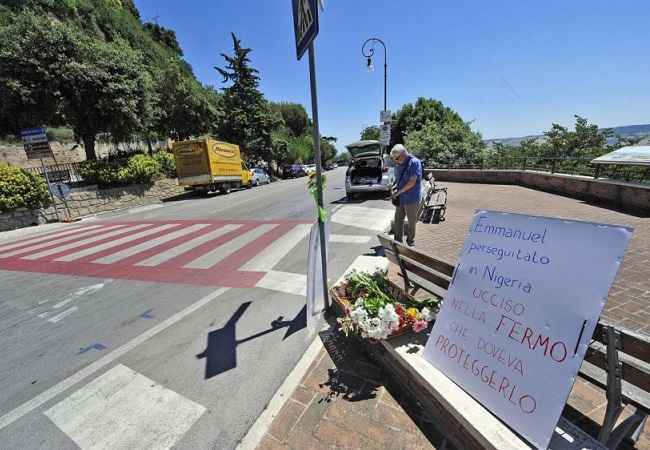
[361, 198]
[221, 351]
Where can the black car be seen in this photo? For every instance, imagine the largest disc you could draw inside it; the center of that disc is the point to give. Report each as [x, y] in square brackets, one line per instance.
[293, 171]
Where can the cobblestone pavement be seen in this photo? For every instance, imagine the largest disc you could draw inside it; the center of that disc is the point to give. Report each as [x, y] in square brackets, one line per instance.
[629, 298]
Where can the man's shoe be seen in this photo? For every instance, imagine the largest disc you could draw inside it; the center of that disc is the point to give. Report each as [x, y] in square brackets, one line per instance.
[411, 244]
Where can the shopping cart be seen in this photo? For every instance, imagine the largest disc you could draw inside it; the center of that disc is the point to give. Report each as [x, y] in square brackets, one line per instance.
[433, 206]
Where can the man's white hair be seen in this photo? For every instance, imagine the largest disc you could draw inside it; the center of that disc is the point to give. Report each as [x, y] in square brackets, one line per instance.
[398, 149]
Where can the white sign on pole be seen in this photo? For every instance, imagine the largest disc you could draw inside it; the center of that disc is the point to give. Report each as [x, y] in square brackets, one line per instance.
[315, 298]
[384, 133]
[520, 312]
[385, 117]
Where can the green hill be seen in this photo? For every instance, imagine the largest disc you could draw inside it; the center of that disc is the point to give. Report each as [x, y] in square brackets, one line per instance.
[94, 66]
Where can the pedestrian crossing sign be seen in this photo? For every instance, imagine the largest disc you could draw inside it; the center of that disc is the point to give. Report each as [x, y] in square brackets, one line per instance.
[305, 24]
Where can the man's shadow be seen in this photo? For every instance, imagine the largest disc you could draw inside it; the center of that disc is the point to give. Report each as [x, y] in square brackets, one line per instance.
[221, 351]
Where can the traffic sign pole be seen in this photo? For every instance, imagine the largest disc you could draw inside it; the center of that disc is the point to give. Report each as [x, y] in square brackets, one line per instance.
[319, 170]
[49, 189]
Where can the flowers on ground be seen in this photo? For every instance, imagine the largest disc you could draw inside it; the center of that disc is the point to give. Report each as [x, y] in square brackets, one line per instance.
[376, 314]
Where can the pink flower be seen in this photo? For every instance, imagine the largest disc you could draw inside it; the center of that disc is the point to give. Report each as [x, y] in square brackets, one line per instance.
[420, 325]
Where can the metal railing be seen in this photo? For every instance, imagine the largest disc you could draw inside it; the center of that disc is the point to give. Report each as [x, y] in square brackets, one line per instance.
[63, 172]
[568, 166]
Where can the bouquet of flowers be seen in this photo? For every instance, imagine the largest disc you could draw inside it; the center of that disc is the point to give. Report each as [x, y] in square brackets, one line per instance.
[373, 313]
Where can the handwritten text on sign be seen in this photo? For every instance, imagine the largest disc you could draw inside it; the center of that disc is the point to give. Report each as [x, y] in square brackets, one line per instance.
[521, 309]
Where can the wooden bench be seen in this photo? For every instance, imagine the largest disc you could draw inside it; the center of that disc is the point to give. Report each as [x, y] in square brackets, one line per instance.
[617, 360]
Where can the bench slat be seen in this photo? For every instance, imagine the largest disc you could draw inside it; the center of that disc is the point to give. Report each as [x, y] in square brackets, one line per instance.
[438, 279]
[436, 264]
[631, 371]
[632, 394]
[631, 343]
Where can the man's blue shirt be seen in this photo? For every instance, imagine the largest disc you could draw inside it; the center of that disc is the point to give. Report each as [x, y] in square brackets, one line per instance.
[411, 167]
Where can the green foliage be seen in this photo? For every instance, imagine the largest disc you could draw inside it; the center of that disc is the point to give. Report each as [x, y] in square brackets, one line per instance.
[164, 36]
[21, 189]
[138, 169]
[370, 133]
[167, 163]
[60, 134]
[436, 133]
[294, 117]
[248, 119]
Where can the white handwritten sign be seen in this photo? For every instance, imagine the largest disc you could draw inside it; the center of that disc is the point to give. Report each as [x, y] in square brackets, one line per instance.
[520, 311]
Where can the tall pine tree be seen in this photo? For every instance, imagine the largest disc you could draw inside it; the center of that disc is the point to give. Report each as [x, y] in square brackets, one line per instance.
[248, 119]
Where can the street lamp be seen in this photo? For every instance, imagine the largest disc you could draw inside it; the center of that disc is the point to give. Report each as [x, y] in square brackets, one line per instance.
[368, 54]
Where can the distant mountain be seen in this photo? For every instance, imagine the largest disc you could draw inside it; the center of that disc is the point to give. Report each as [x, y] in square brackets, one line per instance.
[623, 131]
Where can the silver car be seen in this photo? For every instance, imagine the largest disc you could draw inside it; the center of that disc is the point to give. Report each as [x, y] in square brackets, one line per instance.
[260, 177]
[369, 170]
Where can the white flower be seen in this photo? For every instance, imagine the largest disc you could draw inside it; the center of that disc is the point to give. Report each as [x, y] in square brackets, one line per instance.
[427, 314]
[389, 317]
[359, 315]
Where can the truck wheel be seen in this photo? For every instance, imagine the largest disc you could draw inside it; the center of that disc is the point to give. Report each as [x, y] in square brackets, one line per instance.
[225, 189]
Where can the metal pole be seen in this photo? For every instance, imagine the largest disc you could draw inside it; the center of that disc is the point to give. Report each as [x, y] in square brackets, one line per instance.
[319, 180]
[385, 76]
[49, 189]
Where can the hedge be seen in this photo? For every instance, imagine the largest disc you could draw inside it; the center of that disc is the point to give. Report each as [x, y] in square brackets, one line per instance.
[138, 169]
[21, 189]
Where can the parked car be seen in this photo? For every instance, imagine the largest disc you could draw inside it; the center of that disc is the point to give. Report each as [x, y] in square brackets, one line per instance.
[369, 170]
[260, 177]
[293, 171]
[309, 168]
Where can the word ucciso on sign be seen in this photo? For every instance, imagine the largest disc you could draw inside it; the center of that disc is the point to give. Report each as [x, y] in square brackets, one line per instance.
[305, 24]
[520, 312]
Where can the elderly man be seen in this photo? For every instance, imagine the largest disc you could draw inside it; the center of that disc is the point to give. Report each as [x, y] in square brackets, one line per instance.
[407, 192]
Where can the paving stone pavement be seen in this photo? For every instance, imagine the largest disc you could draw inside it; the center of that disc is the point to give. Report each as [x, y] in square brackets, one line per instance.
[629, 299]
[343, 403]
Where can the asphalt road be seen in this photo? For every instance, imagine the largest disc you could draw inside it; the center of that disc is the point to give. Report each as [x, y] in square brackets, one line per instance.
[168, 326]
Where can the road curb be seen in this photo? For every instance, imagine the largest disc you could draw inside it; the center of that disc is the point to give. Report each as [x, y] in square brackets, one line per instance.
[257, 432]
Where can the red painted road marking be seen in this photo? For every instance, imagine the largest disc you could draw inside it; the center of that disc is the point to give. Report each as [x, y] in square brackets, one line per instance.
[224, 273]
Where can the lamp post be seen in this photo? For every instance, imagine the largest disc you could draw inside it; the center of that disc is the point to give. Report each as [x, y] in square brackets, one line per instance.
[369, 54]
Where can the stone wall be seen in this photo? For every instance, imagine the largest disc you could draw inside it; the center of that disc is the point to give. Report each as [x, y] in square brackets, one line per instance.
[627, 196]
[91, 200]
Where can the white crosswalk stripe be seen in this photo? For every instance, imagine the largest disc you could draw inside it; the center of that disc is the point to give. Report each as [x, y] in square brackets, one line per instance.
[115, 243]
[187, 246]
[31, 248]
[46, 237]
[268, 258]
[223, 251]
[287, 282]
[118, 256]
[76, 244]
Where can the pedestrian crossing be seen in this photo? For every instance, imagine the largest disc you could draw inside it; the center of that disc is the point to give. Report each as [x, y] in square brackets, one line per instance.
[213, 253]
[228, 253]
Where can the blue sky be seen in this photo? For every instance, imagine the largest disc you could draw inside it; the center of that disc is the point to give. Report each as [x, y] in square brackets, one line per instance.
[512, 67]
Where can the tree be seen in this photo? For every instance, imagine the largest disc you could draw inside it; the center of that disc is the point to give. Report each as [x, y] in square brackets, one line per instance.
[293, 115]
[436, 133]
[370, 133]
[104, 89]
[185, 107]
[445, 142]
[164, 36]
[249, 121]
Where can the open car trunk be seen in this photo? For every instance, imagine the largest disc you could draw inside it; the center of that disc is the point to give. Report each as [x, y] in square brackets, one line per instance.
[366, 171]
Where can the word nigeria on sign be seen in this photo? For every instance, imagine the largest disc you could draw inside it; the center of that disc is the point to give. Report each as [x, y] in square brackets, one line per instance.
[520, 311]
[36, 144]
[305, 24]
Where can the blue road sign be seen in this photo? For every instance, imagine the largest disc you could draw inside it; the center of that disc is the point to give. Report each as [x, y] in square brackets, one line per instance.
[305, 24]
[61, 190]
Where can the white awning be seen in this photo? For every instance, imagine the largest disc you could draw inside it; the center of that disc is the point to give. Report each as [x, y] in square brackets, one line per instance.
[633, 155]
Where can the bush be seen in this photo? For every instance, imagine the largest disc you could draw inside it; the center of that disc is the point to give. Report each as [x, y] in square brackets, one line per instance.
[139, 169]
[21, 189]
[167, 162]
